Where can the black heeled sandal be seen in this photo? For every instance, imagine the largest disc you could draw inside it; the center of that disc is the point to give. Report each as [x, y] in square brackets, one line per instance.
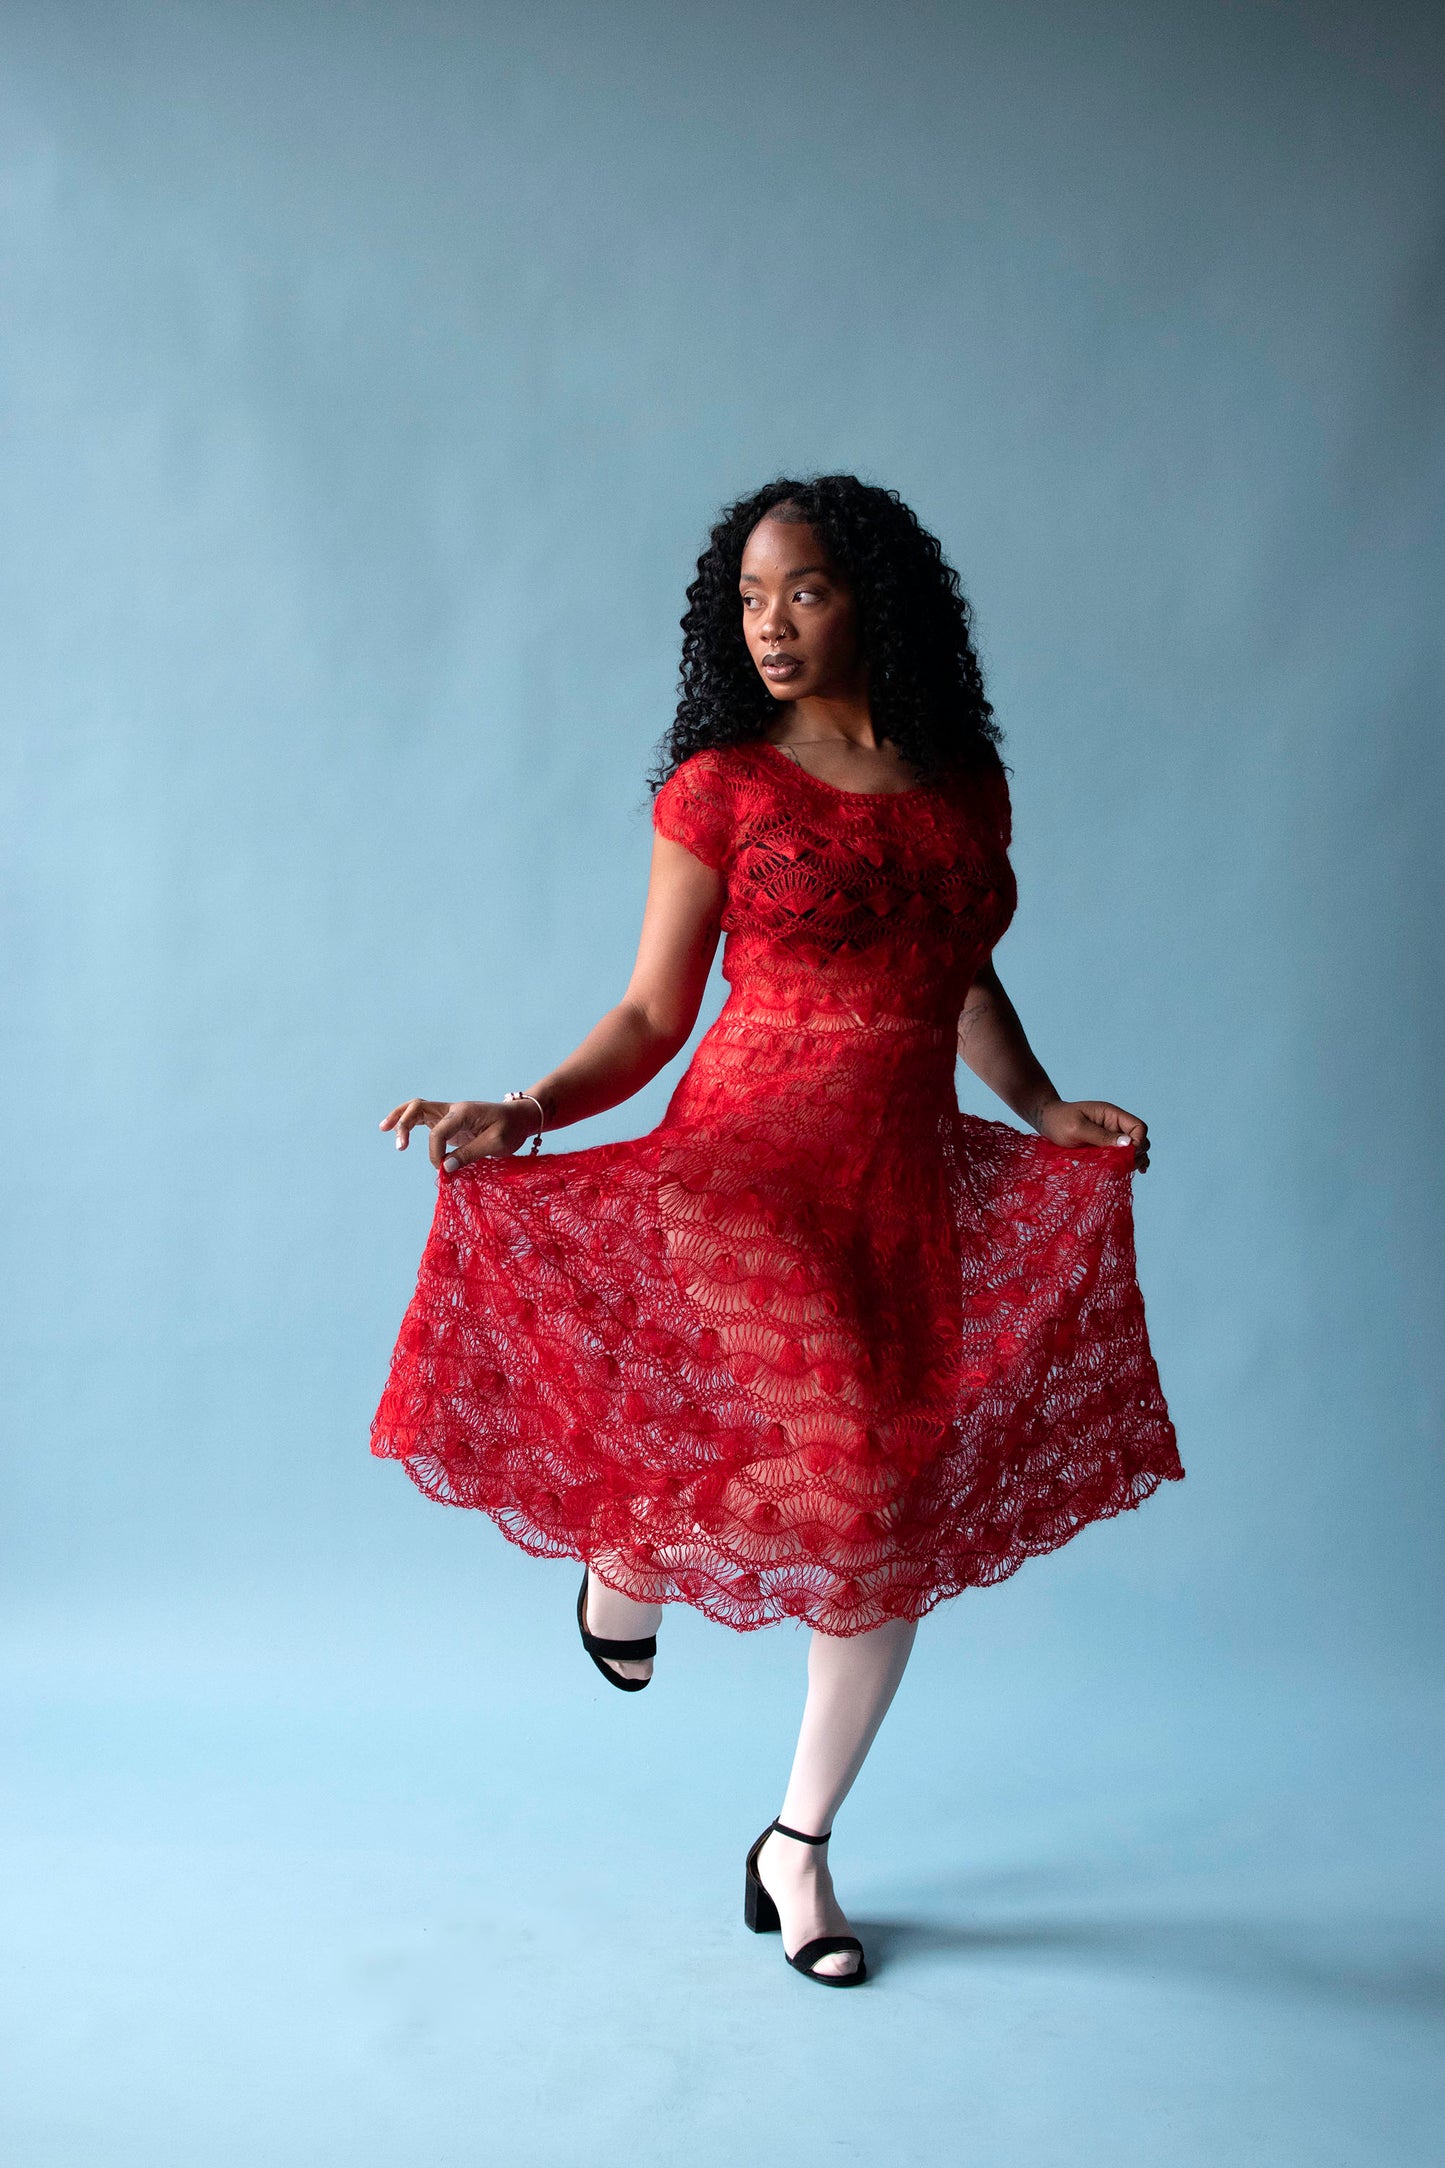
[761, 1915]
[626, 1652]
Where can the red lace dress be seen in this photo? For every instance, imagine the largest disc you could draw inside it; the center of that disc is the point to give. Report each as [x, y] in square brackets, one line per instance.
[820, 1345]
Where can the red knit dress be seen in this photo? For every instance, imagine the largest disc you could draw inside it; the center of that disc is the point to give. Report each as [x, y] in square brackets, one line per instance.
[821, 1345]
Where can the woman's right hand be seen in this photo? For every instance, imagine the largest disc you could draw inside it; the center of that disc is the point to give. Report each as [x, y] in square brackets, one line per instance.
[465, 1129]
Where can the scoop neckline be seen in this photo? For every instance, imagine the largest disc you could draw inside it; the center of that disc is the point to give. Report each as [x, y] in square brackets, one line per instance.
[840, 790]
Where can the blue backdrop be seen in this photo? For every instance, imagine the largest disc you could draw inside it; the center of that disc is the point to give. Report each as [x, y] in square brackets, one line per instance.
[372, 375]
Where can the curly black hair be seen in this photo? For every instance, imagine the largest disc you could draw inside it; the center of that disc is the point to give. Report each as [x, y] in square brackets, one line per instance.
[915, 630]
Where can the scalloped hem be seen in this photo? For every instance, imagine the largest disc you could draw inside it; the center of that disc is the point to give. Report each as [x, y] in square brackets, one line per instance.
[720, 1591]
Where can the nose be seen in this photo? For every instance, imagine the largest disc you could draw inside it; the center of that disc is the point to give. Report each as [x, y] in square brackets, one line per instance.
[774, 623]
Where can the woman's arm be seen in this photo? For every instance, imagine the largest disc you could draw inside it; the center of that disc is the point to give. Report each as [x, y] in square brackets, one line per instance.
[624, 1050]
[659, 1006]
[993, 1042]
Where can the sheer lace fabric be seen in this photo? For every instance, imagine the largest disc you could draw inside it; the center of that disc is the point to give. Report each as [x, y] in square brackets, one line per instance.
[820, 1345]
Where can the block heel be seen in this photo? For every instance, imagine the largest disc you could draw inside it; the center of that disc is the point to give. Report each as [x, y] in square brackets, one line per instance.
[759, 1911]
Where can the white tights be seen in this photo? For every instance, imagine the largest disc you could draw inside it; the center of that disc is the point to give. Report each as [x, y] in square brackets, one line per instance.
[851, 1681]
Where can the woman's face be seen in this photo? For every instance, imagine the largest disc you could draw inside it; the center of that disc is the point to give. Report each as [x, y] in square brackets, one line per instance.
[799, 618]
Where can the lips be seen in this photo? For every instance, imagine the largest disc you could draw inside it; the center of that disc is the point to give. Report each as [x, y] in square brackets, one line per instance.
[781, 666]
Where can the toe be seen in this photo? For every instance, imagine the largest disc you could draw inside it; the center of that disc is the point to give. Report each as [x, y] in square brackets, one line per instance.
[628, 1670]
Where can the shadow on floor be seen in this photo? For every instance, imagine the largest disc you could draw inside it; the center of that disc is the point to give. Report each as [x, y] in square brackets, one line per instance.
[1390, 1965]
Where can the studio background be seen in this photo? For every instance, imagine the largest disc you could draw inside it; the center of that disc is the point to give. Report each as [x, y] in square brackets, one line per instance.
[372, 375]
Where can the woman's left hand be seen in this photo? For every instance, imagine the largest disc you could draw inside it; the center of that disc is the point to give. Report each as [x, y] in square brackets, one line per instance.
[1094, 1121]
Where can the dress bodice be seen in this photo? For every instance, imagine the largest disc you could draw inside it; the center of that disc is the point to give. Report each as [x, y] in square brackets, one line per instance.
[866, 907]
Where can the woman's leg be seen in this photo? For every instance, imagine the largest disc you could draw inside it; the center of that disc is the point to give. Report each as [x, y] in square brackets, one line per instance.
[617, 1618]
[851, 1681]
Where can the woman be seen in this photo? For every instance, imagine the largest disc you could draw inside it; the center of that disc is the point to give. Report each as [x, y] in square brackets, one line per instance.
[820, 1346]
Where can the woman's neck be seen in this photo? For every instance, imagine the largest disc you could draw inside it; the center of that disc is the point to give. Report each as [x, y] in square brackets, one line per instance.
[842, 719]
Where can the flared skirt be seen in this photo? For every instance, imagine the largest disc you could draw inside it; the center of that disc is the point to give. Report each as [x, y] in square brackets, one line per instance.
[819, 1346]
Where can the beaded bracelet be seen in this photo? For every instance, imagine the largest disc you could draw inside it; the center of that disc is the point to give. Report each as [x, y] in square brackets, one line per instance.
[541, 1112]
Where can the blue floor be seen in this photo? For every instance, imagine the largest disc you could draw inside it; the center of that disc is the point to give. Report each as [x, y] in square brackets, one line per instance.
[356, 1895]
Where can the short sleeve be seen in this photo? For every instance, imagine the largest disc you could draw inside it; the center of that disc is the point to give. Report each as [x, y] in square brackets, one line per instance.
[693, 808]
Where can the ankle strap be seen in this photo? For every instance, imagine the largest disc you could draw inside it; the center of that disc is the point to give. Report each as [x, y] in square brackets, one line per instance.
[801, 1835]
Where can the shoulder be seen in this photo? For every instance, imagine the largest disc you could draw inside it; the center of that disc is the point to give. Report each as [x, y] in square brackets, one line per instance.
[694, 806]
[711, 764]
